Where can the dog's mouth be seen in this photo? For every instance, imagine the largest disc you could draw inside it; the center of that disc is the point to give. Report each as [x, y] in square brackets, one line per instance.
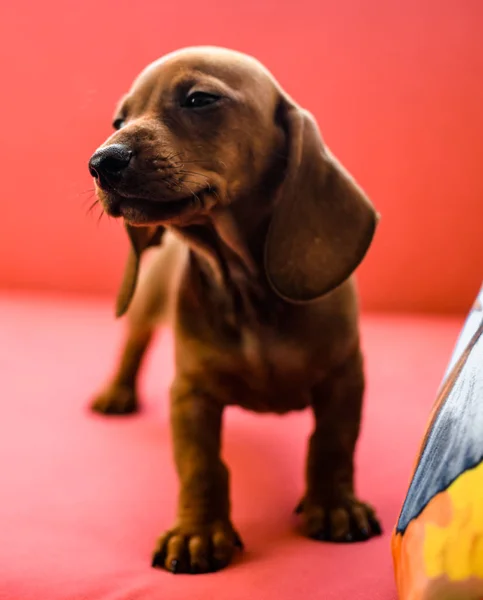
[143, 211]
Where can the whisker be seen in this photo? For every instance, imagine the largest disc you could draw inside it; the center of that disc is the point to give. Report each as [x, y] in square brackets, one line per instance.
[173, 156]
[86, 200]
[211, 189]
[92, 206]
[192, 173]
[191, 181]
[194, 162]
[197, 197]
[202, 182]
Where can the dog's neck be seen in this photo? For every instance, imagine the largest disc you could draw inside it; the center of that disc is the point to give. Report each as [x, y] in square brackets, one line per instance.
[228, 247]
[227, 255]
[224, 249]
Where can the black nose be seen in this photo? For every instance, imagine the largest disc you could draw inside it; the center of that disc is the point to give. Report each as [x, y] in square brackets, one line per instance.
[109, 161]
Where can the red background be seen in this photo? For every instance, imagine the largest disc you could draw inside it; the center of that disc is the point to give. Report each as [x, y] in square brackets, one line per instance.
[396, 86]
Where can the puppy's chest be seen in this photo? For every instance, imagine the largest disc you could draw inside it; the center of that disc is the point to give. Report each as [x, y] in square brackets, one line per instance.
[254, 350]
[269, 373]
[257, 330]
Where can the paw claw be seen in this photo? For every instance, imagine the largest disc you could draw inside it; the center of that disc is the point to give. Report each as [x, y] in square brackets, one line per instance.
[216, 565]
[346, 521]
[157, 561]
[375, 526]
[238, 542]
[174, 566]
[116, 400]
[200, 549]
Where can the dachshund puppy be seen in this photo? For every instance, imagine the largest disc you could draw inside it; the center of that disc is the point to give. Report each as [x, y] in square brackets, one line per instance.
[260, 230]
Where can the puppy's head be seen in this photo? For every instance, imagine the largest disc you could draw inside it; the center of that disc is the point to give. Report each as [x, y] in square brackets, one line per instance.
[196, 129]
[200, 130]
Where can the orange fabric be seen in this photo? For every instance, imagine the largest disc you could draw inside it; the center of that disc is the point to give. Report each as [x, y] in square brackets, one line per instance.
[409, 565]
[396, 88]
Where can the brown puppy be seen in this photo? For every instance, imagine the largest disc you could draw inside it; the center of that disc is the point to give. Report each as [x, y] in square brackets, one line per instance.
[262, 230]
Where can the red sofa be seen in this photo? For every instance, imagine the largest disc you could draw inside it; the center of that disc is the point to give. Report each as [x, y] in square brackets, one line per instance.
[83, 498]
[396, 88]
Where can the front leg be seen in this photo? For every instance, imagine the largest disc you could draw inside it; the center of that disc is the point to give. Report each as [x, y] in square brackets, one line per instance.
[119, 396]
[330, 509]
[202, 538]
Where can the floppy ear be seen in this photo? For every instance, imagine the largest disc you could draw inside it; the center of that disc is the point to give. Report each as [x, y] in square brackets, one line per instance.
[140, 238]
[322, 223]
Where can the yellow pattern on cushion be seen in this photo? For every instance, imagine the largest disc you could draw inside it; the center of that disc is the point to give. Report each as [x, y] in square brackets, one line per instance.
[408, 549]
[456, 550]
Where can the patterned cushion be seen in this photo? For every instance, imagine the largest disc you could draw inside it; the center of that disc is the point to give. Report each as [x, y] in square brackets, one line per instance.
[438, 541]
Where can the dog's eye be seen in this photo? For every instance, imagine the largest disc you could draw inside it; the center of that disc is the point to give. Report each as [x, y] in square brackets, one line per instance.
[118, 123]
[200, 100]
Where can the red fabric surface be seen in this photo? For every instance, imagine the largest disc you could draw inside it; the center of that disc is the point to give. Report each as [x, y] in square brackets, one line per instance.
[83, 498]
[395, 86]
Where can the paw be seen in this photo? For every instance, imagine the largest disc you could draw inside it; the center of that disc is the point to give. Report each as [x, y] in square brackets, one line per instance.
[116, 400]
[203, 549]
[348, 520]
